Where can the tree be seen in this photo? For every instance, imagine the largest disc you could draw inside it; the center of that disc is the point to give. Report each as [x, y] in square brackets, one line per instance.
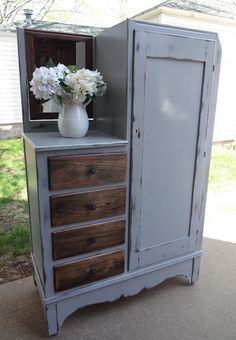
[45, 9]
[101, 13]
[9, 9]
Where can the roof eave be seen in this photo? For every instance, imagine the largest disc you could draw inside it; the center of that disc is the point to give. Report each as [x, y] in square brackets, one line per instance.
[157, 11]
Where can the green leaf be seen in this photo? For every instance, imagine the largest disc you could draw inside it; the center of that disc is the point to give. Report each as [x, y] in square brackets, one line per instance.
[50, 63]
[65, 87]
[93, 98]
[72, 68]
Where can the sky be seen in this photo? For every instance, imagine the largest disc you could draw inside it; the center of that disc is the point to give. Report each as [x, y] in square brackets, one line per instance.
[108, 12]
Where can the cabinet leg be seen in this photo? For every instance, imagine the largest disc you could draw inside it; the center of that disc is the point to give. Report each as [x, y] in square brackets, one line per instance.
[52, 319]
[195, 270]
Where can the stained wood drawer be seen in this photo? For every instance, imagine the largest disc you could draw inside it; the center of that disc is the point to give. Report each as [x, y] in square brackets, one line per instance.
[86, 206]
[75, 241]
[67, 172]
[86, 271]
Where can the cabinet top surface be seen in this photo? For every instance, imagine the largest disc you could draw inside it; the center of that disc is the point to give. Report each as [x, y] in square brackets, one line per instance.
[46, 141]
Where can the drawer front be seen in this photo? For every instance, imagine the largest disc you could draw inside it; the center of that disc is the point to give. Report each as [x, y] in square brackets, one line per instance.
[86, 271]
[86, 206]
[77, 241]
[67, 172]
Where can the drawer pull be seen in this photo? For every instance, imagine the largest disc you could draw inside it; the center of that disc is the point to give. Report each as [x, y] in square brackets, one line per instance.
[92, 170]
[91, 206]
[93, 240]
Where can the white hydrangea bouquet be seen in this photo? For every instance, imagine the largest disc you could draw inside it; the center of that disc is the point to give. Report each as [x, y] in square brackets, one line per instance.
[72, 89]
[64, 82]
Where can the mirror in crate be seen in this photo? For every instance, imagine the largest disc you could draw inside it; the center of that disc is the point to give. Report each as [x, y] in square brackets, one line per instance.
[64, 48]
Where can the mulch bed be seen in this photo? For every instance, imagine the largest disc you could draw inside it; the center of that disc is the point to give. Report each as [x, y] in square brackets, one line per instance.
[15, 269]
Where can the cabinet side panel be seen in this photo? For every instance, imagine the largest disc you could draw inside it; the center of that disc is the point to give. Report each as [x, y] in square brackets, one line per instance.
[111, 60]
[32, 187]
[23, 79]
[209, 134]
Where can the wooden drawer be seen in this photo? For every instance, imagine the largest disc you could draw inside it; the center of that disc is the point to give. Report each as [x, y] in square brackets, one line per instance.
[67, 172]
[86, 206]
[86, 271]
[77, 241]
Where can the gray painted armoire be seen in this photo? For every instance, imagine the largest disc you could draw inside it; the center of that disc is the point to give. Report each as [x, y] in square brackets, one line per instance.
[121, 209]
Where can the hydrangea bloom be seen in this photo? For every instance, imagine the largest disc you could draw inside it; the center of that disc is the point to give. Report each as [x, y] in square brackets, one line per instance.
[45, 83]
[81, 84]
[61, 70]
[64, 82]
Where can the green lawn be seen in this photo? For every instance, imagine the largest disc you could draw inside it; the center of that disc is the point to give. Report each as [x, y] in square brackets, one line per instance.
[222, 174]
[12, 174]
[14, 227]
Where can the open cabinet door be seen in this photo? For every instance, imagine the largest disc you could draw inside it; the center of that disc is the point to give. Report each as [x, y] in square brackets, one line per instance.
[172, 82]
[36, 48]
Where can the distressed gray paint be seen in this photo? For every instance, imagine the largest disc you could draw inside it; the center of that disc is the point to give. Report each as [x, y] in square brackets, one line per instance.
[131, 287]
[174, 30]
[113, 53]
[54, 141]
[204, 39]
[80, 54]
[111, 60]
[38, 125]
[32, 190]
[125, 285]
[120, 119]
[28, 124]
[169, 74]
[23, 79]
[208, 135]
[44, 197]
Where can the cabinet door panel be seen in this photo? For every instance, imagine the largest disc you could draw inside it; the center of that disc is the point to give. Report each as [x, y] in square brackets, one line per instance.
[171, 92]
[169, 144]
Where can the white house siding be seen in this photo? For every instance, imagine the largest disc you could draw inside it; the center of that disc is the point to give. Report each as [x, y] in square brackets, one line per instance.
[225, 121]
[10, 102]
